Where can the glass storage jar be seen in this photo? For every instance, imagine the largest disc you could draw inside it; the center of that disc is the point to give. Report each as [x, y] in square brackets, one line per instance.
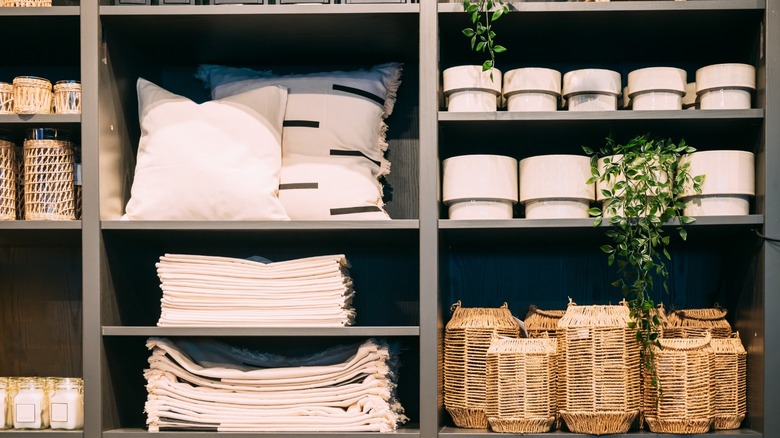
[29, 404]
[67, 97]
[66, 404]
[7, 177]
[48, 175]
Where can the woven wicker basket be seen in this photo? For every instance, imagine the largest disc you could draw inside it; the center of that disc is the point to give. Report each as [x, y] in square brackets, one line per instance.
[598, 370]
[32, 95]
[694, 322]
[67, 97]
[466, 340]
[684, 371]
[729, 374]
[539, 323]
[7, 180]
[6, 98]
[26, 3]
[48, 180]
[521, 385]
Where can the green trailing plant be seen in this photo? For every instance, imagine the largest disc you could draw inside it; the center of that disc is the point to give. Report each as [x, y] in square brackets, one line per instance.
[641, 182]
[481, 35]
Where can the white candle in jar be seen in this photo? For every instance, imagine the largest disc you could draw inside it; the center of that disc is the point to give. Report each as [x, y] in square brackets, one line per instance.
[66, 405]
[4, 423]
[29, 403]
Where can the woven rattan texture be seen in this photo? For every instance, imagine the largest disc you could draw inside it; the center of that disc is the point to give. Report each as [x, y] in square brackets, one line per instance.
[598, 370]
[467, 338]
[521, 385]
[684, 372]
[694, 322]
[729, 374]
[542, 322]
[67, 98]
[7, 181]
[32, 95]
[6, 98]
[48, 180]
[19, 183]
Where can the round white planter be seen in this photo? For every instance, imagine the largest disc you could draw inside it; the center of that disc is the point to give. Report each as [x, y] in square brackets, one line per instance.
[729, 183]
[469, 89]
[657, 88]
[554, 186]
[591, 89]
[532, 89]
[725, 86]
[689, 98]
[479, 186]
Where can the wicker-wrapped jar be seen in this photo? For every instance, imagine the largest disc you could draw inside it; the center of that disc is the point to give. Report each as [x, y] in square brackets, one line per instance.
[729, 374]
[20, 183]
[48, 175]
[6, 98]
[539, 322]
[598, 370]
[32, 95]
[521, 384]
[683, 368]
[466, 340]
[7, 177]
[67, 97]
[694, 322]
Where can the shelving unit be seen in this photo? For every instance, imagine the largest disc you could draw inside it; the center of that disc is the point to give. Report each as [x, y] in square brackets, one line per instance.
[80, 298]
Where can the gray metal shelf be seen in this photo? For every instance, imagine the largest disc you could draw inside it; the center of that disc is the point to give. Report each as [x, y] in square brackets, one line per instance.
[52, 11]
[687, 116]
[263, 331]
[40, 233]
[401, 224]
[244, 10]
[634, 6]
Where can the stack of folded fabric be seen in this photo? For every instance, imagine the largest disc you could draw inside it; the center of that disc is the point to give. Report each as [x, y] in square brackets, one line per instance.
[206, 385]
[228, 292]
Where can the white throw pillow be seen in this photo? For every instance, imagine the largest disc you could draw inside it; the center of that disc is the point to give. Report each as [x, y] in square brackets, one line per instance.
[334, 137]
[219, 160]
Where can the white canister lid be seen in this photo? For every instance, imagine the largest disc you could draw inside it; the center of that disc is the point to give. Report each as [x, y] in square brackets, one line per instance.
[725, 172]
[591, 80]
[668, 79]
[689, 98]
[555, 177]
[725, 76]
[471, 77]
[487, 177]
[532, 79]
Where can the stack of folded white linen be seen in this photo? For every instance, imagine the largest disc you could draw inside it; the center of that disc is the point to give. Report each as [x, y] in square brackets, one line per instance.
[206, 385]
[230, 292]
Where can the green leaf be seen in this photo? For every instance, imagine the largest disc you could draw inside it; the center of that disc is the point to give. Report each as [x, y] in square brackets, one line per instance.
[487, 65]
[472, 8]
[610, 259]
[481, 47]
[687, 220]
[469, 32]
[607, 249]
[595, 211]
[683, 234]
[631, 324]
[497, 14]
[499, 49]
[587, 150]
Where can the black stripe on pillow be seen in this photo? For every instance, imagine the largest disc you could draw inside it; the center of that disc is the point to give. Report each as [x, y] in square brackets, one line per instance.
[353, 210]
[359, 92]
[337, 152]
[297, 186]
[301, 124]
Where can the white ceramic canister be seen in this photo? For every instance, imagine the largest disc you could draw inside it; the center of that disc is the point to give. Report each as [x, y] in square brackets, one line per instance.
[729, 183]
[554, 186]
[532, 89]
[479, 186]
[66, 404]
[591, 89]
[29, 404]
[725, 86]
[469, 89]
[689, 98]
[4, 423]
[657, 88]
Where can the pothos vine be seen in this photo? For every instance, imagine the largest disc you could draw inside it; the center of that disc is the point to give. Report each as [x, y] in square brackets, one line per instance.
[481, 35]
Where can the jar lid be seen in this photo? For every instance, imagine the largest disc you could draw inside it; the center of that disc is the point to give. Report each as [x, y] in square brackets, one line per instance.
[591, 80]
[725, 76]
[68, 81]
[471, 77]
[45, 82]
[532, 79]
[669, 79]
[48, 134]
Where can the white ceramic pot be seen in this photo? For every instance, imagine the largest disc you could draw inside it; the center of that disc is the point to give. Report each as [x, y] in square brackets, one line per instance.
[554, 186]
[725, 86]
[591, 89]
[469, 89]
[689, 98]
[479, 186]
[532, 89]
[657, 88]
[729, 182]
